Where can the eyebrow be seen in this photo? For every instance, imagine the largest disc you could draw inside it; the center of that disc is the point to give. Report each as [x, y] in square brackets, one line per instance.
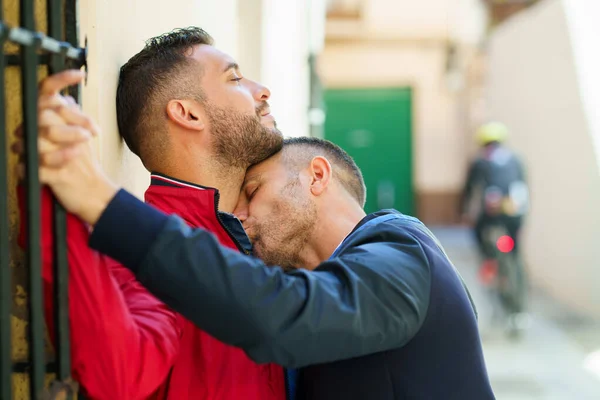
[231, 65]
[251, 178]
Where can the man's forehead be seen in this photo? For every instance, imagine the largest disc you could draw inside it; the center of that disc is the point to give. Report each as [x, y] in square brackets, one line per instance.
[213, 59]
[262, 169]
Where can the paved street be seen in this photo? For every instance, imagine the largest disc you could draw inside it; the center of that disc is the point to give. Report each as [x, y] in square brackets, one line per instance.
[553, 360]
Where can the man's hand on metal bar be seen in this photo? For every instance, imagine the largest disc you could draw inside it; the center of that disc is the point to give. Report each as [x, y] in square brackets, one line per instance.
[67, 163]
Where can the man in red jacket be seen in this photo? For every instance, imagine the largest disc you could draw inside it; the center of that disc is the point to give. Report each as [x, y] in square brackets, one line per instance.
[196, 123]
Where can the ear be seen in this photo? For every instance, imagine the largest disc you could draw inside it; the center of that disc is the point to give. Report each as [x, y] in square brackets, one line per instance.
[188, 114]
[320, 170]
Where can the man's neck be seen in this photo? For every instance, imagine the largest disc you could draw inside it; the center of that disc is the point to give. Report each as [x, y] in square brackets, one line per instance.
[226, 179]
[331, 229]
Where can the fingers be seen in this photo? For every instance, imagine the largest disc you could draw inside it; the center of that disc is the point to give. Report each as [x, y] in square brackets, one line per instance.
[74, 116]
[52, 101]
[62, 125]
[51, 155]
[49, 117]
[53, 84]
[59, 144]
[51, 163]
[59, 157]
[56, 109]
[52, 129]
[65, 134]
[68, 115]
[48, 176]
[53, 139]
[55, 101]
[71, 101]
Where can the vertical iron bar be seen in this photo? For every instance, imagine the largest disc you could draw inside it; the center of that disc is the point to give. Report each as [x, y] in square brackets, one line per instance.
[72, 37]
[5, 273]
[33, 254]
[61, 268]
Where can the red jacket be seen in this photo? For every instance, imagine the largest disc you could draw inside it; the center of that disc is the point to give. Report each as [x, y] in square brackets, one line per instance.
[125, 343]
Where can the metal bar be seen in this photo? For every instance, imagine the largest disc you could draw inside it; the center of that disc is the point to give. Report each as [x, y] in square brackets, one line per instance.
[72, 37]
[14, 60]
[72, 22]
[33, 253]
[61, 267]
[22, 367]
[28, 37]
[5, 273]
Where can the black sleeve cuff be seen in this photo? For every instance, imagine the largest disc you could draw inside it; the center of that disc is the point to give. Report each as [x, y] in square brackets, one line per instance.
[126, 229]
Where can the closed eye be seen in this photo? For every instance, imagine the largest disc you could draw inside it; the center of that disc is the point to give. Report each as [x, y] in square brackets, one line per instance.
[250, 193]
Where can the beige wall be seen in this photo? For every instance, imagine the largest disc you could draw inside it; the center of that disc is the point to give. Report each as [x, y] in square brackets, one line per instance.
[463, 19]
[250, 19]
[285, 62]
[534, 86]
[273, 48]
[582, 18]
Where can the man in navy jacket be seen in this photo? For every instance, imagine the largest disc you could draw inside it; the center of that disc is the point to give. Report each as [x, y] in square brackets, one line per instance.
[367, 306]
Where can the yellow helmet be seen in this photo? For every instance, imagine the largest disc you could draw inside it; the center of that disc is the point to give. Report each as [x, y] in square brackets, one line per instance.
[492, 132]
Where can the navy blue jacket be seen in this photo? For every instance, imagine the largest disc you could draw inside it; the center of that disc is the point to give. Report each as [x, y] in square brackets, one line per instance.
[387, 317]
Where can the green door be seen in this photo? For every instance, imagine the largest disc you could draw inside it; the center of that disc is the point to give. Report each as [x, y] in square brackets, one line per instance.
[374, 126]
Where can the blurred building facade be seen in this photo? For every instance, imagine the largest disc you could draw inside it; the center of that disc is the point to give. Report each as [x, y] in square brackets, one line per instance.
[430, 47]
[529, 63]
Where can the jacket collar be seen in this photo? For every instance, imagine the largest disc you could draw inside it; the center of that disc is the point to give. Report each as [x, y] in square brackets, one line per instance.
[371, 216]
[198, 206]
[157, 179]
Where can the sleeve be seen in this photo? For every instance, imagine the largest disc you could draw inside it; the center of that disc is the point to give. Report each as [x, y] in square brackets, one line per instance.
[123, 340]
[373, 298]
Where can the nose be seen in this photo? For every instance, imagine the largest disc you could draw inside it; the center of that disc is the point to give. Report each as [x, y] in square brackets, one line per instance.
[241, 209]
[259, 91]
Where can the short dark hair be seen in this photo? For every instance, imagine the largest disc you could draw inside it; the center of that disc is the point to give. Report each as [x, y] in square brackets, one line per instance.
[344, 166]
[152, 77]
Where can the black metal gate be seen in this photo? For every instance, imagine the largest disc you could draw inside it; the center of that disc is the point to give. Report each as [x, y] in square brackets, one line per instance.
[57, 50]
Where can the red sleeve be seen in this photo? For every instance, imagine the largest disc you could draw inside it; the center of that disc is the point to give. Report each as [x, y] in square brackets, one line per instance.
[123, 340]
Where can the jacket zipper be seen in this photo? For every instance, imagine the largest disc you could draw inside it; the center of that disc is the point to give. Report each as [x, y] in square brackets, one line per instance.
[288, 389]
[288, 393]
[235, 241]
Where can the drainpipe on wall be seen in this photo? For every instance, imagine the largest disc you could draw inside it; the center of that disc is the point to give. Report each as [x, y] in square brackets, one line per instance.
[316, 41]
[316, 105]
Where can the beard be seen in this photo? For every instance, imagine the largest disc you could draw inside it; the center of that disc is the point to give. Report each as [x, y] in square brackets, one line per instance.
[280, 238]
[241, 140]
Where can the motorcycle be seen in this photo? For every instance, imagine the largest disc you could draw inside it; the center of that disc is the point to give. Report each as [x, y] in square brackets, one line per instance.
[503, 272]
